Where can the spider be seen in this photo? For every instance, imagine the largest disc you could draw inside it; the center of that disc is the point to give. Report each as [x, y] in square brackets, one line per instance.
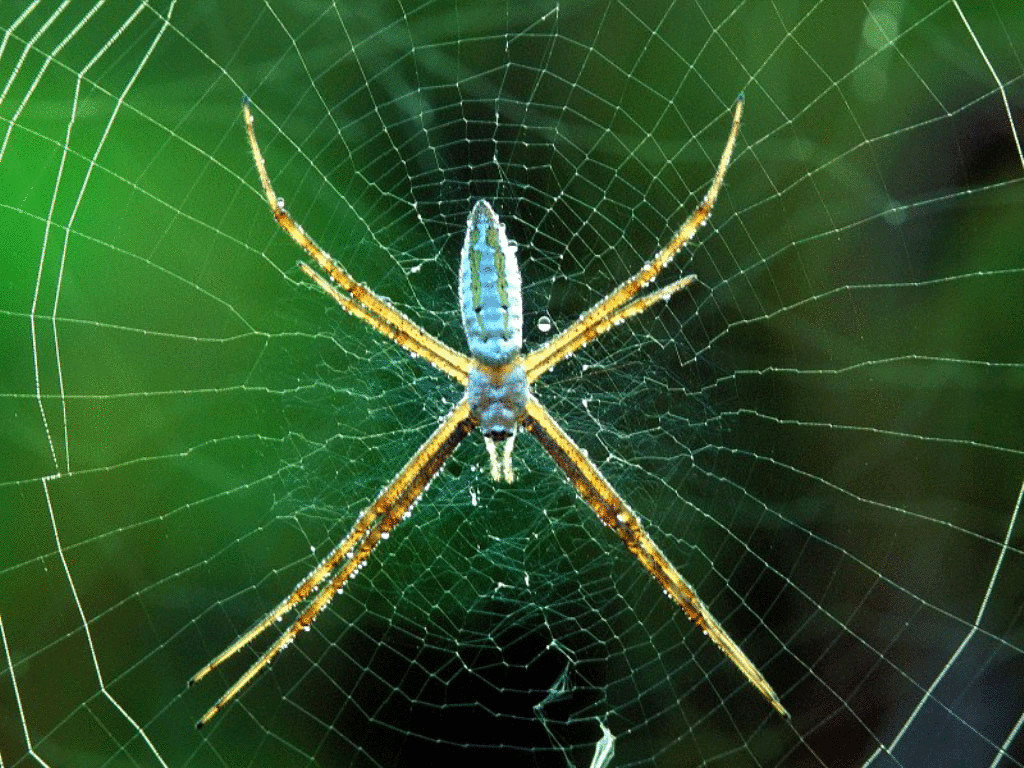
[498, 401]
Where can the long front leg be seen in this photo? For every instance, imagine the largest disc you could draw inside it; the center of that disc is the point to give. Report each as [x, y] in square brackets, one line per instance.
[616, 514]
[441, 356]
[357, 299]
[603, 316]
[386, 512]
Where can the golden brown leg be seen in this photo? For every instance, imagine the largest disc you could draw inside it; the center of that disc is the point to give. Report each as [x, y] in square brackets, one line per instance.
[597, 320]
[616, 514]
[361, 302]
[375, 522]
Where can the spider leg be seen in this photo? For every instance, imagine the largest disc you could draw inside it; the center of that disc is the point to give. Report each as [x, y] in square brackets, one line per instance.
[391, 506]
[361, 302]
[302, 592]
[616, 514]
[447, 359]
[642, 304]
[602, 316]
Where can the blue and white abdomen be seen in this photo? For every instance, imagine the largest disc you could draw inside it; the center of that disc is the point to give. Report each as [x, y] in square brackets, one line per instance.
[490, 292]
[490, 289]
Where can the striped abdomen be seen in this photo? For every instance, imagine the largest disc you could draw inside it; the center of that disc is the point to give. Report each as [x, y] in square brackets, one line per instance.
[490, 291]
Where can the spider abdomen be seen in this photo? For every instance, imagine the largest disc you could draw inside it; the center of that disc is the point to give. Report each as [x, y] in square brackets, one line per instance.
[490, 289]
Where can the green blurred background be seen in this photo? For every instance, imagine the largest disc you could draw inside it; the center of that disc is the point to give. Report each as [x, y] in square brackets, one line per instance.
[825, 435]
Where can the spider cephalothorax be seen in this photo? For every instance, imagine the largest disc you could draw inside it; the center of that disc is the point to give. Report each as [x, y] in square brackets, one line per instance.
[497, 379]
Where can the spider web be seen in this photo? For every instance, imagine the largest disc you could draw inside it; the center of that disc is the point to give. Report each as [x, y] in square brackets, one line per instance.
[824, 434]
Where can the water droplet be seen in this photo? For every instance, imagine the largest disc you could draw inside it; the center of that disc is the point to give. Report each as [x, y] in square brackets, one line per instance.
[544, 324]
